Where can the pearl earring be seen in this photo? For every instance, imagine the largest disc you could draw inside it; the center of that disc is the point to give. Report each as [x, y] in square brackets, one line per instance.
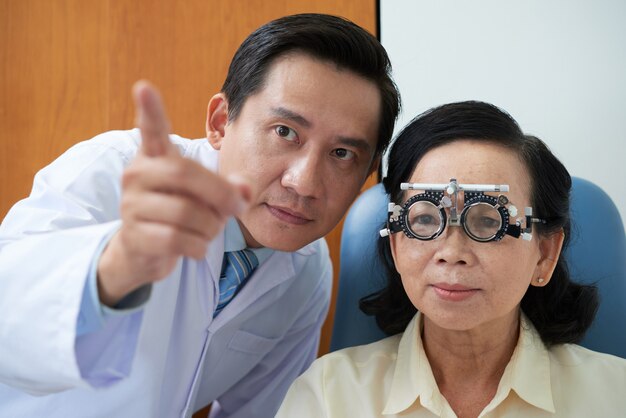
[539, 280]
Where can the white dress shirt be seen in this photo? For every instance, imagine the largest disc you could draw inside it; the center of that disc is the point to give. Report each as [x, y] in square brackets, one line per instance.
[393, 378]
[168, 358]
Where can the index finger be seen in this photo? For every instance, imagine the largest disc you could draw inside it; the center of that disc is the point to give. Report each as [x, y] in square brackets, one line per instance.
[151, 120]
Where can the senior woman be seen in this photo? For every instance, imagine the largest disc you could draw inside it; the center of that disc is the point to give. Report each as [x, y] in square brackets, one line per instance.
[483, 316]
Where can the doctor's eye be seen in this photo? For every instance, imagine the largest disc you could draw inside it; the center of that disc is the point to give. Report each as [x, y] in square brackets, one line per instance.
[343, 154]
[287, 133]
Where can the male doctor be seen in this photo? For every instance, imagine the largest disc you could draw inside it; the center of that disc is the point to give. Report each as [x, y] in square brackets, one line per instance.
[148, 275]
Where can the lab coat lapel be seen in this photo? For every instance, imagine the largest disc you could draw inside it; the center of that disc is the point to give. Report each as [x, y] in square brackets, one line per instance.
[214, 257]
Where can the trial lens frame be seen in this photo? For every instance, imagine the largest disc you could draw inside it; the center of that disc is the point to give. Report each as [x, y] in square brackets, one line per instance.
[474, 194]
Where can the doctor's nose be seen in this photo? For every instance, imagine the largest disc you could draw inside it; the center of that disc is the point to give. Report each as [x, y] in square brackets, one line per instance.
[304, 176]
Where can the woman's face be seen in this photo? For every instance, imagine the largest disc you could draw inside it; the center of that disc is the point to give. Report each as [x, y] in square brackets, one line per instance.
[458, 283]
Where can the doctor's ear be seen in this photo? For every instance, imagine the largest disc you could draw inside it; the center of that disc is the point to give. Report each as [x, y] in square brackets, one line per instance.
[216, 120]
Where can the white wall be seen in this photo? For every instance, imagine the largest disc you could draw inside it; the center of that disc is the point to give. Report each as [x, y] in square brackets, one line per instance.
[557, 66]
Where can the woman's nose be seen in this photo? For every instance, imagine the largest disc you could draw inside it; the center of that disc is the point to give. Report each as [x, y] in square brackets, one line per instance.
[454, 246]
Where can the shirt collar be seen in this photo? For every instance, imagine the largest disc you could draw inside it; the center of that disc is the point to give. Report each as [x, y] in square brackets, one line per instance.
[413, 378]
[234, 241]
[528, 373]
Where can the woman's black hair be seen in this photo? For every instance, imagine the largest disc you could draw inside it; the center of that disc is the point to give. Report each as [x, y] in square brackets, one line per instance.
[562, 310]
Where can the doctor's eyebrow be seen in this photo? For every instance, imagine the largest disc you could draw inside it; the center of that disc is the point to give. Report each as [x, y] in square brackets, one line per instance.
[357, 143]
[291, 115]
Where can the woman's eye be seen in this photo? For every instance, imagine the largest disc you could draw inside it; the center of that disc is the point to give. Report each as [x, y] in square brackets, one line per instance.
[423, 220]
[343, 154]
[286, 133]
[487, 222]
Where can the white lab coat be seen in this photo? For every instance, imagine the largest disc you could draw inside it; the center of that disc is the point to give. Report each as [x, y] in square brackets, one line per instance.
[168, 359]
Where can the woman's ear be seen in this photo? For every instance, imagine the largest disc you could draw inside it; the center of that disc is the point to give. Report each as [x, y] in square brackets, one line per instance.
[550, 249]
[216, 120]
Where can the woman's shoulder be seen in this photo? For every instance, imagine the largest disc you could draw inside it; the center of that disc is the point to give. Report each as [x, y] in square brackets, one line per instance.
[587, 383]
[361, 362]
[572, 358]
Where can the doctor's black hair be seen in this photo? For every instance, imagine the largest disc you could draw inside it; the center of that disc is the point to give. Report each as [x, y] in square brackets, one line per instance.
[325, 37]
[562, 310]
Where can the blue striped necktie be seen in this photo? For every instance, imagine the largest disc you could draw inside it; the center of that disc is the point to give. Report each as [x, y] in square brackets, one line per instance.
[236, 268]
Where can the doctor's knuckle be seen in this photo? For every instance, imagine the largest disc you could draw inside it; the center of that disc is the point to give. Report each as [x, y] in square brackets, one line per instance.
[131, 175]
[170, 239]
[180, 171]
[180, 210]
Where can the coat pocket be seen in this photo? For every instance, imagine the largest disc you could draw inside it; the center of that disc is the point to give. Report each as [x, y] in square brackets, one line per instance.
[246, 342]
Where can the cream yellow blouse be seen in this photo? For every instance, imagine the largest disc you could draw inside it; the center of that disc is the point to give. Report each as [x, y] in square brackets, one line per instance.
[392, 378]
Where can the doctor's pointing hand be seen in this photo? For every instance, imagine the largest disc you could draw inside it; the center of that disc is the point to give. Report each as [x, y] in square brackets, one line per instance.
[171, 207]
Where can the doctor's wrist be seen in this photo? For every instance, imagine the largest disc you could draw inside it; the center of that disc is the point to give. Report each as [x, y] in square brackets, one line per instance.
[116, 277]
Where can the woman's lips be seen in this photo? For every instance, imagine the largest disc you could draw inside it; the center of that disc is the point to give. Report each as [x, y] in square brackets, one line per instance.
[287, 215]
[454, 292]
